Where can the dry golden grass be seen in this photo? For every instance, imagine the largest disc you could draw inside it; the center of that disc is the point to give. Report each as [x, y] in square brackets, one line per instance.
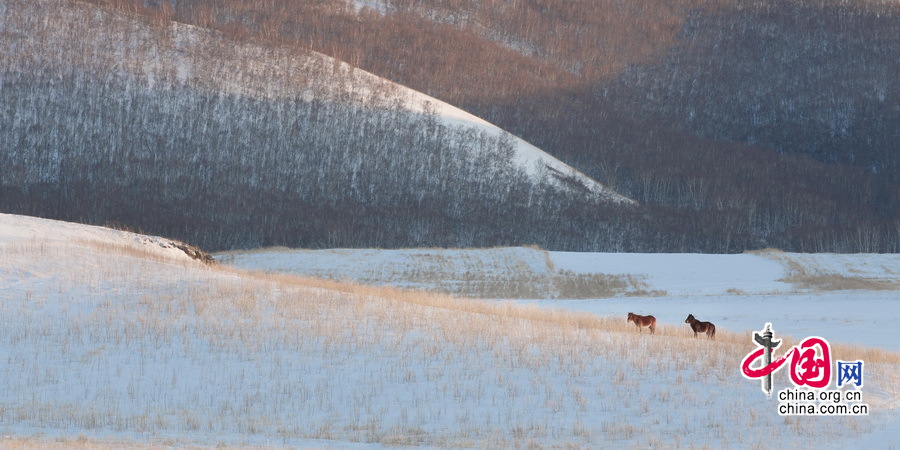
[836, 282]
[536, 314]
[461, 349]
[133, 250]
[808, 278]
[244, 295]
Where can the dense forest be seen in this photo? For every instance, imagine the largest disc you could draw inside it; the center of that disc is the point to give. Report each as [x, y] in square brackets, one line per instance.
[279, 148]
[735, 125]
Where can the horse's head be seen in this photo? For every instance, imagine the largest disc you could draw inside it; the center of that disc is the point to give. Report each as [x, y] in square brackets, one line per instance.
[690, 318]
[630, 317]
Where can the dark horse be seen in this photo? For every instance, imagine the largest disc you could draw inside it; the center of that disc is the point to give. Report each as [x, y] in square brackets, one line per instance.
[701, 327]
[643, 321]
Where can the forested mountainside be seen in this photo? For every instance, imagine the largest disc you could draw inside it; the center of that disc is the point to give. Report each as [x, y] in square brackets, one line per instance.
[734, 125]
[109, 118]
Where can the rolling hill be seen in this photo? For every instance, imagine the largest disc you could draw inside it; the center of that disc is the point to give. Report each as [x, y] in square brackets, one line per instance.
[111, 341]
[737, 125]
[230, 143]
[730, 125]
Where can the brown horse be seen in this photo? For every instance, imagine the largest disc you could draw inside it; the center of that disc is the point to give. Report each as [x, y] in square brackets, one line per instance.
[643, 321]
[701, 327]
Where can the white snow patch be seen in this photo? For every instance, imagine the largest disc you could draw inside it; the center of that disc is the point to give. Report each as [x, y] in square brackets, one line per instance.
[374, 5]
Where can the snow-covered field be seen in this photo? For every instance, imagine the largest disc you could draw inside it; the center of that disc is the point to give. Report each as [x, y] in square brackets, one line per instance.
[852, 298]
[115, 339]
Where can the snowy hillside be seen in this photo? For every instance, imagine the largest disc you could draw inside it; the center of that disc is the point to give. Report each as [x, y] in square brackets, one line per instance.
[189, 133]
[115, 46]
[107, 341]
[17, 230]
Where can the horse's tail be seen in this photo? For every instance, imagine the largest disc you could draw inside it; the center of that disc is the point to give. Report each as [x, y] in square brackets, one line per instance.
[712, 334]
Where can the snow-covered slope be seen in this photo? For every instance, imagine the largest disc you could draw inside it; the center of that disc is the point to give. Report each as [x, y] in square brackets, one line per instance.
[17, 231]
[106, 339]
[540, 165]
[110, 45]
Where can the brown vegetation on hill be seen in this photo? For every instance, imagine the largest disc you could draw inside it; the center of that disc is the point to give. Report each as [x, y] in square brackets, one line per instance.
[738, 125]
